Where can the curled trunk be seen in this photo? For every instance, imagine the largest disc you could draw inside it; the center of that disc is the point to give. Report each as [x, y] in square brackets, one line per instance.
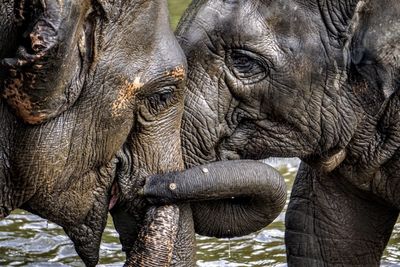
[237, 197]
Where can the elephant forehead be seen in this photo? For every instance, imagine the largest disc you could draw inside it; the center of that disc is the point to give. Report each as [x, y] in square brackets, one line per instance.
[126, 93]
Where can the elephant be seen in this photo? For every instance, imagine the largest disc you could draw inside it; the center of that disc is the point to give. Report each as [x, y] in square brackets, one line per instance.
[313, 79]
[91, 107]
[84, 85]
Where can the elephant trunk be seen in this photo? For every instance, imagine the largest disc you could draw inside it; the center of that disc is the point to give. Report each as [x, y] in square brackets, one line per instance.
[155, 242]
[238, 197]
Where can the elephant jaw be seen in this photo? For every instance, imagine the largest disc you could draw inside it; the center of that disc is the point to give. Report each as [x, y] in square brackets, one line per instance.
[328, 163]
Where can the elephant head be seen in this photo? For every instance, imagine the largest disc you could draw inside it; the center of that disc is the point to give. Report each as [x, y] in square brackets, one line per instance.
[86, 86]
[314, 79]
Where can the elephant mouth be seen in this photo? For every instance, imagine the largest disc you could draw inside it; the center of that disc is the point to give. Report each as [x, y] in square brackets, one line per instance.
[114, 196]
[226, 154]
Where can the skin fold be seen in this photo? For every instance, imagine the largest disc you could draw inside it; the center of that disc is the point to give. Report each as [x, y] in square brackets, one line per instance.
[85, 85]
[314, 79]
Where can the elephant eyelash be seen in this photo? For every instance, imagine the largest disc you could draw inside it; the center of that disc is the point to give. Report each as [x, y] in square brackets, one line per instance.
[247, 66]
[161, 100]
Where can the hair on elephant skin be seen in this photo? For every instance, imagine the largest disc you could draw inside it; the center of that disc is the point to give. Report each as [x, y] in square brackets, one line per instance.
[314, 79]
[85, 85]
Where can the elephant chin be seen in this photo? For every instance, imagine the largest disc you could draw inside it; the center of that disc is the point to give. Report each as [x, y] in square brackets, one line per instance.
[228, 198]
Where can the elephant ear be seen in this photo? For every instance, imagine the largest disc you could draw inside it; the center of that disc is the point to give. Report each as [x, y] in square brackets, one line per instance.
[375, 51]
[44, 77]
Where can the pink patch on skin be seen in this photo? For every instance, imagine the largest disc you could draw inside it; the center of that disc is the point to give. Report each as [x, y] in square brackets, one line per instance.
[114, 196]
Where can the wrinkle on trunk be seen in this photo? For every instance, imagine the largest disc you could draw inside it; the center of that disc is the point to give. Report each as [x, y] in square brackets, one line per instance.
[155, 243]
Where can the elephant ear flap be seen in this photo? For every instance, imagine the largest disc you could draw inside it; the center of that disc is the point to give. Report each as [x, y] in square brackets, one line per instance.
[42, 78]
[375, 49]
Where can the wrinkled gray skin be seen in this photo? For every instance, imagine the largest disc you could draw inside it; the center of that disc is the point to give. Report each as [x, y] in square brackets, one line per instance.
[315, 79]
[80, 80]
[92, 99]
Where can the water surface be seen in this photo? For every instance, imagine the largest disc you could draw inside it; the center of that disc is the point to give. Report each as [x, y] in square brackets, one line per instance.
[27, 240]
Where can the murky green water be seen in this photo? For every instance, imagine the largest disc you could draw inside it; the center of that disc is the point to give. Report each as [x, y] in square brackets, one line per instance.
[27, 240]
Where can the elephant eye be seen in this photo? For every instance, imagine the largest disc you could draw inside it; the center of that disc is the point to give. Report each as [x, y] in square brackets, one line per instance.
[247, 66]
[160, 100]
